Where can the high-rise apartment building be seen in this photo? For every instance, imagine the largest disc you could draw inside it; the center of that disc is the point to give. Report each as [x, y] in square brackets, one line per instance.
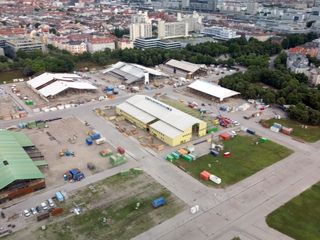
[172, 29]
[141, 26]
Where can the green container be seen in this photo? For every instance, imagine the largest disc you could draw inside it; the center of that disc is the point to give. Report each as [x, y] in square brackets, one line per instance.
[187, 158]
[29, 102]
[263, 140]
[175, 155]
[170, 157]
[212, 130]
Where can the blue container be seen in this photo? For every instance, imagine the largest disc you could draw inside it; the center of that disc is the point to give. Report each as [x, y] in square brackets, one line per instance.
[89, 141]
[59, 196]
[158, 202]
[109, 88]
[214, 152]
[251, 131]
[74, 171]
[95, 136]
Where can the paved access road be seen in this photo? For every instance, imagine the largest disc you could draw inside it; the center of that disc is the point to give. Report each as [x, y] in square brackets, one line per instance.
[238, 210]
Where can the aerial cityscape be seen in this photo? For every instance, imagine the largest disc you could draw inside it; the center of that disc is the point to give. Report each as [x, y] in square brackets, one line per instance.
[159, 119]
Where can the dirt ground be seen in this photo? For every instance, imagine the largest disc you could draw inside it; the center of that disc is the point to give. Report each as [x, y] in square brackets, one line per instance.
[50, 141]
[113, 199]
[7, 106]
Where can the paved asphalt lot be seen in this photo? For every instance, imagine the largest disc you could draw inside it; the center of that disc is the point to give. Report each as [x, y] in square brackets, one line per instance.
[238, 210]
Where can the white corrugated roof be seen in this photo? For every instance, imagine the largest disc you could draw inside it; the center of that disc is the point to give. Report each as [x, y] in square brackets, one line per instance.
[60, 86]
[47, 77]
[186, 66]
[166, 128]
[137, 113]
[212, 89]
[167, 114]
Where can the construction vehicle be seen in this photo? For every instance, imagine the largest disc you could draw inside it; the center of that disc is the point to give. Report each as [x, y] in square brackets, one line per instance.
[73, 174]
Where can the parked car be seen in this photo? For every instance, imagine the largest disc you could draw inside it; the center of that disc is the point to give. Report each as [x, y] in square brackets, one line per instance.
[50, 202]
[236, 123]
[44, 206]
[26, 213]
[38, 209]
[34, 211]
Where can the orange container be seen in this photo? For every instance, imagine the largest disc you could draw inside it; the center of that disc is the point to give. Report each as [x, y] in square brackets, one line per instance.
[204, 175]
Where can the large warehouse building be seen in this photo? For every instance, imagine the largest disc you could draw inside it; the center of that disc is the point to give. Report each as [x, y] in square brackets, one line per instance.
[211, 90]
[168, 124]
[52, 84]
[19, 173]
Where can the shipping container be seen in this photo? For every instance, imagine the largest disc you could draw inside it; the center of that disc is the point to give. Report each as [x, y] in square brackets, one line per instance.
[191, 149]
[95, 136]
[158, 202]
[286, 130]
[100, 141]
[227, 154]
[43, 216]
[89, 141]
[187, 158]
[59, 196]
[56, 211]
[121, 150]
[274, 129]
[204, 175]
[215, 179]
[251, 131]
[277, 125]
[175, 155]
[214, 152]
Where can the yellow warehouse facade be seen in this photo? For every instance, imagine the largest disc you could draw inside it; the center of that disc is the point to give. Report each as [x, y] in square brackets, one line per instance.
[168, 124]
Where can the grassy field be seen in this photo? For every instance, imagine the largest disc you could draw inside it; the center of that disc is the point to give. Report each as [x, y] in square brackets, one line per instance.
[311, 134]
[247, 158]
[109, 210]
[184, 108]
[300, 217]
[10, 75]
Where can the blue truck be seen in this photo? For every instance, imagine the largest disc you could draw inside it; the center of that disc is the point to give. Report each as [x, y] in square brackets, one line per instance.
[158, 202]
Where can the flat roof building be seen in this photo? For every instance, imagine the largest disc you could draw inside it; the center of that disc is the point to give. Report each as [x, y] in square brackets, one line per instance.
[168, 124]
[13, 45]
[212, 90]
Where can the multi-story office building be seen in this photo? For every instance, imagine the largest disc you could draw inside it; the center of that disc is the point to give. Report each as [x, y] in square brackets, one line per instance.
[220, 33]
[172, 29]
[13, 45]
[144, 43]
[203, 5]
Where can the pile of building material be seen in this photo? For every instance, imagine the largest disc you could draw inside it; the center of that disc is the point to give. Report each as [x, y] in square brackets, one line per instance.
[186, 154]
[106, 153]
[117, 159]
[96, 137]
[276, 127]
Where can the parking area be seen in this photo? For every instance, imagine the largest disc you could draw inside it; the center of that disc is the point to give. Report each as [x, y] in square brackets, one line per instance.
[63, 145]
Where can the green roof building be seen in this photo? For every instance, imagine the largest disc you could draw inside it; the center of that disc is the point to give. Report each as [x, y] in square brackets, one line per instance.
[15, 163]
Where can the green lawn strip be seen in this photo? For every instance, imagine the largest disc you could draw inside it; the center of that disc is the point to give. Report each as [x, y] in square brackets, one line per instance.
[310, 134]
[247, 158]
[8, 76]
[300, 217]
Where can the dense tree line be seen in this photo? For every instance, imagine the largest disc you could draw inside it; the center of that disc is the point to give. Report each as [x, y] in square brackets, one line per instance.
[280, 87]
[293, 40]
